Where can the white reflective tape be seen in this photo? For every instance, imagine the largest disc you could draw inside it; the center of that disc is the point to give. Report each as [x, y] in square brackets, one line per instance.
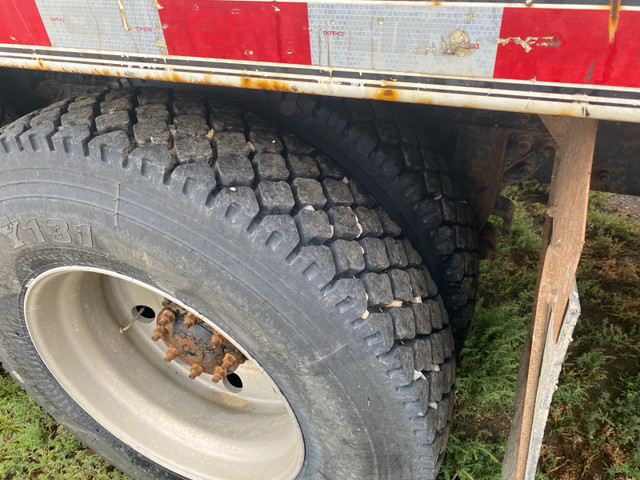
[420, 38]
[130, 26]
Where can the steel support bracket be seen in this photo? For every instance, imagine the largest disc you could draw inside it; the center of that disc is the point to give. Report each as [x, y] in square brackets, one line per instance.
[554, 314]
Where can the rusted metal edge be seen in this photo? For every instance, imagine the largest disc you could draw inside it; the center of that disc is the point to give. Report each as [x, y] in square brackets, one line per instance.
[563, 239]
[627, 110]
[116, 59]
[74, 59]
[614, 18]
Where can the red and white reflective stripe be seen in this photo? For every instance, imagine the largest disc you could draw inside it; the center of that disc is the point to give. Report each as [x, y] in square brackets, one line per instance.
[237, 30]
[586, 53]
[568, 44]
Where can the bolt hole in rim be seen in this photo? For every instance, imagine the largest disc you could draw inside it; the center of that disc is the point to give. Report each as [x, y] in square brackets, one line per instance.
[143, 313]
[236, 429]
[233, 382]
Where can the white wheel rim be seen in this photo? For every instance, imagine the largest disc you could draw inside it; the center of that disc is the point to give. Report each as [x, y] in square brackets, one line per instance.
[195, 428]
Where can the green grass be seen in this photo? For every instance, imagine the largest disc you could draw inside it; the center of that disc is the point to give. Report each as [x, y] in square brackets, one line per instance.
[594, 426]
[33, 445]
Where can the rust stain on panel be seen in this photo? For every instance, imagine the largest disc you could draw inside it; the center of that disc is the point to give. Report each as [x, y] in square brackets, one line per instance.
[123, 17]
[425, 101]
[529, 42]
[459, 44]
[614, 17]
[431, 49]
[265, 84]
[386, 94]
[162, 47]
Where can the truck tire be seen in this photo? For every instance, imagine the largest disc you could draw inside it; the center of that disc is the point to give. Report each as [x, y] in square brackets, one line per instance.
[120, 206]
[7, 113]
[387, 147]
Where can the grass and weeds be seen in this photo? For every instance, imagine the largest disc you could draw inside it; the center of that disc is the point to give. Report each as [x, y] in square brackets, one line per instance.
[594, 426]
[34, 446]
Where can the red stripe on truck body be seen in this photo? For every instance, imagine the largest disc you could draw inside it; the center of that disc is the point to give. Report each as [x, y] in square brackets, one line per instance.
[569, 46]
[237, 30]
[20, 24]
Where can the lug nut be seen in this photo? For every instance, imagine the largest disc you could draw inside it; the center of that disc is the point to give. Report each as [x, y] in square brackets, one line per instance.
[190, 320]
[216, 340]
[171, 354]
[196, 371]
[158, 333]
[166, 317]
[229, 361]
[218, 374]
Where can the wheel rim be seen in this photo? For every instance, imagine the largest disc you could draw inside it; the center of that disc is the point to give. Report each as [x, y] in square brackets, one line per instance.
[75, 317]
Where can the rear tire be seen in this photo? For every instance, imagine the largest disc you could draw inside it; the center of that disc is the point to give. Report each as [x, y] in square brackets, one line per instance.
[386, 146]
[267, 240]
[7, 113]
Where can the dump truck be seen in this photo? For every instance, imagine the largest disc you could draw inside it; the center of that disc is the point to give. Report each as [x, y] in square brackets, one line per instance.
[240, 238]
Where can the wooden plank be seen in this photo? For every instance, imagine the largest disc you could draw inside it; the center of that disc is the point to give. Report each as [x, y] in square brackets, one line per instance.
[563, 238]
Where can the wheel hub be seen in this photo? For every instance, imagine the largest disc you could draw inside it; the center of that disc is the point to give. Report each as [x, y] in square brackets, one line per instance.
[194, 343]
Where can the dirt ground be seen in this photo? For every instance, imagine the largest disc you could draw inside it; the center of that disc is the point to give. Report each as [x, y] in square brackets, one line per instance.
[626, 204]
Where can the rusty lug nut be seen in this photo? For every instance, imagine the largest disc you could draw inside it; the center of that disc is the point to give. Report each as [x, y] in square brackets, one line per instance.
[166, 317]
[229, 361]
[158, 333]
[196, 371]
[190, 320]
[216, 340]
[218, 374]
[166, 303]
[171, 354]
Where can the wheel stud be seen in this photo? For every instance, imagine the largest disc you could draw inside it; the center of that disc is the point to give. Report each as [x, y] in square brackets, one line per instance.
[166, 317]
[229, 361]
[171, 354]
[190, 320]
[216, 340]
[158, 333]
[218, 374]
[196, 371]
